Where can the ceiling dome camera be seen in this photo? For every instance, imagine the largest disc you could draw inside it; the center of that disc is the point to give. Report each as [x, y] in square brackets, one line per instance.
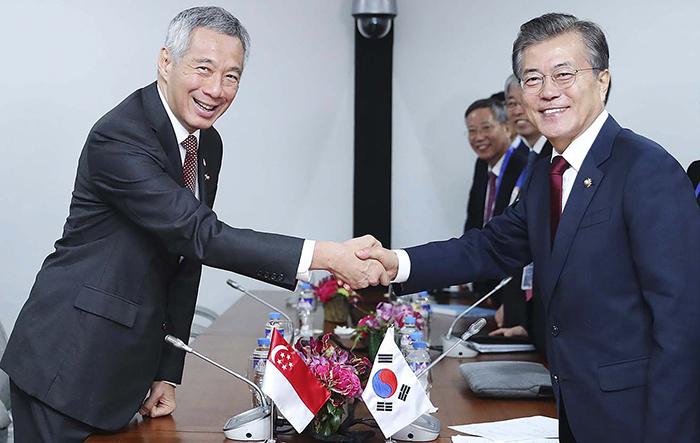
[374, 27]
[374, 17]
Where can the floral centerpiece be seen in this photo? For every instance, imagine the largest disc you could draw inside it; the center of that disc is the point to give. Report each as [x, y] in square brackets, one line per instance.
[372, 327]
[336, 300]
[341, 372]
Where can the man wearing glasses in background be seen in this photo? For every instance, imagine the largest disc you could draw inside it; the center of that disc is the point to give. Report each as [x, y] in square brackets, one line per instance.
[613, 229]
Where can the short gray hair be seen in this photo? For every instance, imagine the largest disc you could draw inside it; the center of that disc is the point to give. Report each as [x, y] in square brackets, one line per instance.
[511, 81]
[553, 25]
[214, 18]
[496, 106]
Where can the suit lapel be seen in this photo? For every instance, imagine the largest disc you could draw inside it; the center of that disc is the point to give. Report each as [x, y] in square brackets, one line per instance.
[164, 131]
[579, 199]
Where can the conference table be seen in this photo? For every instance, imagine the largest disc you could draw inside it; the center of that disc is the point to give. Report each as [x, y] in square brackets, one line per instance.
[208, 396]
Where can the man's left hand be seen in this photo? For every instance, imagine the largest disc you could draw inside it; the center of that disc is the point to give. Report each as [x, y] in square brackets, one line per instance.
[160, 401]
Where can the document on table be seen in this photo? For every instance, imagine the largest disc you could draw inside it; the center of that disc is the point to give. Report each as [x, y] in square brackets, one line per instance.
[524, 429]
[467, 439]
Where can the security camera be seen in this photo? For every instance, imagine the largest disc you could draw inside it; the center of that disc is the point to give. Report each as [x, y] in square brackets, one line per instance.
[374, 17]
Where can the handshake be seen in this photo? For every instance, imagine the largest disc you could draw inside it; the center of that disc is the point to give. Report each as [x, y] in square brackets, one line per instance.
[357, 263]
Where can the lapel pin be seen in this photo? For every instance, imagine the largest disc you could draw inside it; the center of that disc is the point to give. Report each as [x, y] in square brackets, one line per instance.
[206, 177]
[204, 161]
[588, 182]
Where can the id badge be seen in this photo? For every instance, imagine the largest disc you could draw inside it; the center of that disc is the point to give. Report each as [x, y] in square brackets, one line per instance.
[526, 283]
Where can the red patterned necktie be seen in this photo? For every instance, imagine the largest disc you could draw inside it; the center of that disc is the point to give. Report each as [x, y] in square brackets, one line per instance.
[492, 197]
[189, 168]
[557, 168]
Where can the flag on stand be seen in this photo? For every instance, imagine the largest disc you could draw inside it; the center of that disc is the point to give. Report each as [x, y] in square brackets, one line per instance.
[393, 395]
[290, 384]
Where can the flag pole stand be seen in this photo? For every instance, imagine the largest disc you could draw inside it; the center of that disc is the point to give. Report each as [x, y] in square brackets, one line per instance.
[273, 414]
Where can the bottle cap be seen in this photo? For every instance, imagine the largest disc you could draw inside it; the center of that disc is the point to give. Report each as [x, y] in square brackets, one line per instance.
[274, 315]
[410, 320]
[416, 335]
[418, 344]
[423, 293]
[305, 285]
[263, 341]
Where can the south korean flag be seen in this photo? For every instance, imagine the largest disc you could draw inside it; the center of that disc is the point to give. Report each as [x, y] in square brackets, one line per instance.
[393, 395]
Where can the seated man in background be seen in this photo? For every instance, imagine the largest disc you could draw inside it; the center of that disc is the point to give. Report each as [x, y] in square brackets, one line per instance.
[518, 315]
[496, 170]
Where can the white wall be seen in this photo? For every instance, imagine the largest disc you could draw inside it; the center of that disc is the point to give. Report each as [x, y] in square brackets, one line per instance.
[449, 53]
[288, 137]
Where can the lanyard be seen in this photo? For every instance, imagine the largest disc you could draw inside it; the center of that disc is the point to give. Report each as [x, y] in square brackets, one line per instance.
[697, 190]
[502, 172]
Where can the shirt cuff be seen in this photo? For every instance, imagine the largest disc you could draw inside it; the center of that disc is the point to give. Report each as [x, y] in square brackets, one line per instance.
[174, 385]
[307, 255]
[404, 270]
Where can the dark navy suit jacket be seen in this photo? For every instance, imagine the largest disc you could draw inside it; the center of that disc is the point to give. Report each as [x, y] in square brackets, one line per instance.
[620, 287]
[89, 340]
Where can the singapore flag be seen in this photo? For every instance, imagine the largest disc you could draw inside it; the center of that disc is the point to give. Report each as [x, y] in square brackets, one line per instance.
[290, 384]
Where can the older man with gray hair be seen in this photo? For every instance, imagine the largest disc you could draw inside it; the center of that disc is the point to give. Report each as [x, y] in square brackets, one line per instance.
[611, 224]
[88, 344]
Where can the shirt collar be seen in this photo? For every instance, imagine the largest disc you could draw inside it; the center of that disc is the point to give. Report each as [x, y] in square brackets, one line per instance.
[180, 132]
[497, 167]
[576, 152]
[539, 144]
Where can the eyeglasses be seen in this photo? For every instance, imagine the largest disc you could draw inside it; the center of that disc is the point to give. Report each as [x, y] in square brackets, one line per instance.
[563, 78]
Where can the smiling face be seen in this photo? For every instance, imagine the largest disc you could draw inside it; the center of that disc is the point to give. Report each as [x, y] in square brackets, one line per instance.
[517, 117]
[202, 85]
[488, 137]
[562, 115]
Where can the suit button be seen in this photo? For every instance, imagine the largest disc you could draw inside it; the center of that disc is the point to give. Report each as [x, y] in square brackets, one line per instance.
[555, 330]
[164, 326]
[555, 378]
[266, 276]
[259, 274]
[274, 276]
[280, 277]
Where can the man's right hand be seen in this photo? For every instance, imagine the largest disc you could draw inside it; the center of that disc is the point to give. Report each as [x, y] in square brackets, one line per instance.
[342, 261]
[387, 258]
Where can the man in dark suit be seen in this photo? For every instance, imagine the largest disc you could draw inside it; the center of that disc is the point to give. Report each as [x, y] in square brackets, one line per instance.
[88, 344]
[513, 317]
[617, 268]
[496, 170]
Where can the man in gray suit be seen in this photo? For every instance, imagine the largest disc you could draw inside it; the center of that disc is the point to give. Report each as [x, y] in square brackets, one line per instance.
[88, 344]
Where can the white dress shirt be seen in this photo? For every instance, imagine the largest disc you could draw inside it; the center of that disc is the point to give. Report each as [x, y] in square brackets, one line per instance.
[574, 154]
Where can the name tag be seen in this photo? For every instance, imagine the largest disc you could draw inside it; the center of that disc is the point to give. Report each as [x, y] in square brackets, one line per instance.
[526, 283]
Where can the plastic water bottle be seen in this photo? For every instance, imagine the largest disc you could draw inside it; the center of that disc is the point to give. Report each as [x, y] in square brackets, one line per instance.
[423, 305]
[259, 361]
[418, 360]
[274, 323]
[305, 306]
[409, 327]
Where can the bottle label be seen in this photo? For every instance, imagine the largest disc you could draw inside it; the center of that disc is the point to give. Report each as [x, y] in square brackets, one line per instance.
[268, 331]
[259, 364]
[417, 366]
[306, 302]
